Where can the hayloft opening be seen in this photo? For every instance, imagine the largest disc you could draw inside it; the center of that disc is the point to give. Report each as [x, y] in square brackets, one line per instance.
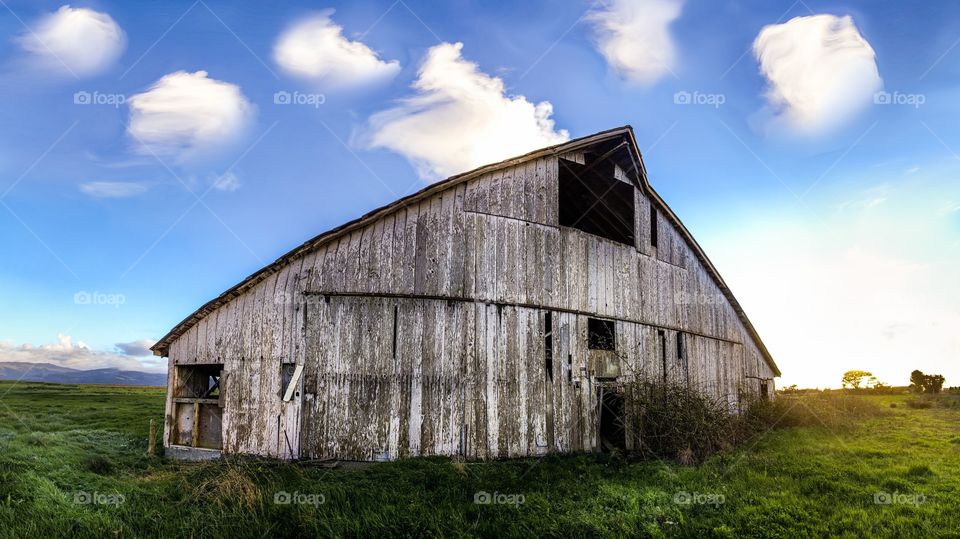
[601, 334]
[594, 201]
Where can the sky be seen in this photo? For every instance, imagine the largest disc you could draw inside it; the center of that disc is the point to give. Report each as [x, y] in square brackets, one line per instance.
[153, 154]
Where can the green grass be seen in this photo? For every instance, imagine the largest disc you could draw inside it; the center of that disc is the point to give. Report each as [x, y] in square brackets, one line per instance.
[58, 442]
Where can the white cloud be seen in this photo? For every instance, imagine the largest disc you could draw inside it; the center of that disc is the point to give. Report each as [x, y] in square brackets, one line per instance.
[77, 355]
[634, 37]
[76, 40]
[139, 348]
[188, 115]
[461, 118]
[227, 182]
[820, 71]
[113, 189]
[316, 49]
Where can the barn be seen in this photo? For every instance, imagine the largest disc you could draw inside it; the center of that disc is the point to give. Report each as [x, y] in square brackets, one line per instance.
[494, 314]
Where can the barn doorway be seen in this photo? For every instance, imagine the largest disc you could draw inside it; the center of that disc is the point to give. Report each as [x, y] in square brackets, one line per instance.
[611, 419]
[198, 406]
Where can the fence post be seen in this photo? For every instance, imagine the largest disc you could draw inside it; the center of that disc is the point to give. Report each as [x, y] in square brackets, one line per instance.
[152, 441]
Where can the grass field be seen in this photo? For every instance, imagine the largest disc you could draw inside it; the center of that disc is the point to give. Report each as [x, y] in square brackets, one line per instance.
[72, 463]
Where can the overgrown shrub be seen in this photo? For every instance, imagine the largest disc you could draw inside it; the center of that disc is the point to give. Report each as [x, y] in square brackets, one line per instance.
[919, 404]
[682, 424]
[676, 423]
[923, 402]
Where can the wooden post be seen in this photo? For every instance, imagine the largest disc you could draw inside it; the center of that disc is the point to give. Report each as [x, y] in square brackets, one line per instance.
[196, 423]
[152, 440]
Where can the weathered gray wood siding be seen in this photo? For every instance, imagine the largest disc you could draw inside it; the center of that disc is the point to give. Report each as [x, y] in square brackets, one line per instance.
[470, 273]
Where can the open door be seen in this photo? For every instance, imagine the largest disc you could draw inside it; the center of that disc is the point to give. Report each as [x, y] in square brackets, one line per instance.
[198, 406]
[611, 418]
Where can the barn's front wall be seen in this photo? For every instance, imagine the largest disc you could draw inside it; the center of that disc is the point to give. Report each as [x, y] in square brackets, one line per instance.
[423, 332]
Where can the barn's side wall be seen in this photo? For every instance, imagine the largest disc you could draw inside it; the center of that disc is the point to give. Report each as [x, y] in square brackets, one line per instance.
[470, 378]
[251, 336]
[486, 259]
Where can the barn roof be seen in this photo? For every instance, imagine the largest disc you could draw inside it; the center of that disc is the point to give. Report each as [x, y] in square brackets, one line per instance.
[619, 142]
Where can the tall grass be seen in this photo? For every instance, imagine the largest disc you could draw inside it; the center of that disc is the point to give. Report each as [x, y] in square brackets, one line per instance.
[679, 423]
[833, 410]
[58, 441]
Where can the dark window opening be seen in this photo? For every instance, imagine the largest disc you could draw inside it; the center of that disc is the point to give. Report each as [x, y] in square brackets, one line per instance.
[654, 227]
[198, 381]
[290, 376]
[396, 308]
[663, 353]
[287, 371]
[601, 334]
[764, 390]
[548, 344]
[593, 201]
[682, 356]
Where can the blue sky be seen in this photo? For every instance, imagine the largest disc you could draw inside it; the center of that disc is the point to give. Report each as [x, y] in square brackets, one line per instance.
[820, 178]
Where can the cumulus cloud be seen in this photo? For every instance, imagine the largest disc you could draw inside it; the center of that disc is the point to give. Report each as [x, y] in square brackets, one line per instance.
[316, 49]
[75, 40]
[820, 71]
[634, 37]
[113, 189]
[461, 118]
[77, 355]
[188, 115]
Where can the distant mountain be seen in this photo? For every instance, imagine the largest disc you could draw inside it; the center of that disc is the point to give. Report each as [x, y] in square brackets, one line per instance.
[48, 372]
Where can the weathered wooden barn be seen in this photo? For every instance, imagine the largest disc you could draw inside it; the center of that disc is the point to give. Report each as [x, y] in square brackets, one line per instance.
[493, 314]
